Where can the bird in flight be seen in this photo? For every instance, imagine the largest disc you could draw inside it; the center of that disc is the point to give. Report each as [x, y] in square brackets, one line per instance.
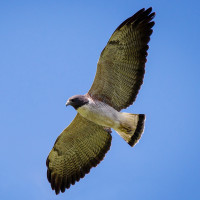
[120, 71]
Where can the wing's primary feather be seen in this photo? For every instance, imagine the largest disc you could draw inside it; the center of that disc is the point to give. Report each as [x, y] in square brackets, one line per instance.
[121, 66]
[81, 146]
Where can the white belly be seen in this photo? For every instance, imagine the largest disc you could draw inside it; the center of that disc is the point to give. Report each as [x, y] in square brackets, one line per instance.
[100, 113]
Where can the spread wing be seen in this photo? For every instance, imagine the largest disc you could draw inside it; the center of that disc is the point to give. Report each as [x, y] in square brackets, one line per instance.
[121, 66]
[81, 146]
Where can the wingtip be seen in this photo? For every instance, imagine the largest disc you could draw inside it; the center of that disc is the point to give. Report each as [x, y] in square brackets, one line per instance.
[149, 9]
[143, 10]
[60, 184]
[148, 12]
[57, 192]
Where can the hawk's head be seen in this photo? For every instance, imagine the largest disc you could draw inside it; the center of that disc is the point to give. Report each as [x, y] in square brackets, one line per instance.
[77, 101]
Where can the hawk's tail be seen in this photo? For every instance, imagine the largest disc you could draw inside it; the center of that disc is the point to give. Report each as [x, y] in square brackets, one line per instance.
[131, 127]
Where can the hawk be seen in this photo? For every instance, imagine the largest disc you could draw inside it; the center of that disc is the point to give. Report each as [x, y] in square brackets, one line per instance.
[120, 71]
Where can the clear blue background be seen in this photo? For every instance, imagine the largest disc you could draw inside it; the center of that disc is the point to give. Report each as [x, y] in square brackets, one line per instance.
[49, 50]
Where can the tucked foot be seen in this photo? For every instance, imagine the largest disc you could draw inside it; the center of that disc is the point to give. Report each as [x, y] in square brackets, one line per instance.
[107, 129]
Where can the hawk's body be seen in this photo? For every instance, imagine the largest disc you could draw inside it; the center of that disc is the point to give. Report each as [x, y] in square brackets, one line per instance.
[120, 71]
[100, 113]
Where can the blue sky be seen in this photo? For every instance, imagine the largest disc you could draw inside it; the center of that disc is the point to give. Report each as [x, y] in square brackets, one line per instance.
[49, 50]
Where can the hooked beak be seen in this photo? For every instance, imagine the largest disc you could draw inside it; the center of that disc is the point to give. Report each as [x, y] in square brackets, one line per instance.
[68, 103]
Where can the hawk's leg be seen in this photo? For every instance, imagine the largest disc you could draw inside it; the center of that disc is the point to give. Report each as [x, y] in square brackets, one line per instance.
[108, 130]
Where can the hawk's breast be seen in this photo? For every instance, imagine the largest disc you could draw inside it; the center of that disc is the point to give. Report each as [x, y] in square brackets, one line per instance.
[100, 113]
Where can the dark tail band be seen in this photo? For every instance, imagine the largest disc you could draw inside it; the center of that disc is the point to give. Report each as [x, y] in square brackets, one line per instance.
[139, 130]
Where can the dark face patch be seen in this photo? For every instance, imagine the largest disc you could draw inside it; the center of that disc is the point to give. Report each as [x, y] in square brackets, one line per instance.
[78, 101]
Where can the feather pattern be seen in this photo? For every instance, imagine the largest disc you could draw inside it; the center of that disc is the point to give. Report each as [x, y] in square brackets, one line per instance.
[81, 146]
[121, 66]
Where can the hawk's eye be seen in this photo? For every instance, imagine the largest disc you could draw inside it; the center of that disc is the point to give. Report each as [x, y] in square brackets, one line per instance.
[72, 100]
